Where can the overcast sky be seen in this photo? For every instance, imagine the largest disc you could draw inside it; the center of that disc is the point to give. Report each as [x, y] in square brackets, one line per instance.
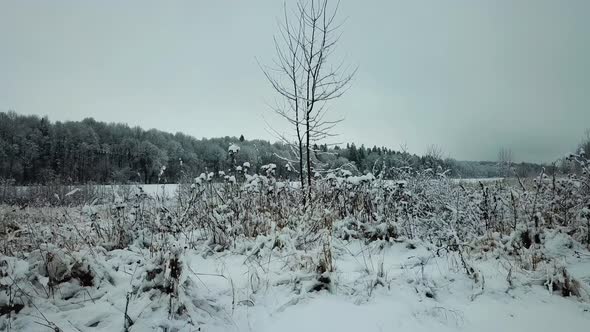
[469, 76]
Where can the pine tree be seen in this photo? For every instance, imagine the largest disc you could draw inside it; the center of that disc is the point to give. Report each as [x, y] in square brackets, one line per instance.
[352, 153]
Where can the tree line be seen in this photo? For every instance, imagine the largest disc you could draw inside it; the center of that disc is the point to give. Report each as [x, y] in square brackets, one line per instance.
[34, 150]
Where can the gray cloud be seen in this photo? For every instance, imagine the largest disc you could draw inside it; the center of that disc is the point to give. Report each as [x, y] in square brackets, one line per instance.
[470, 76]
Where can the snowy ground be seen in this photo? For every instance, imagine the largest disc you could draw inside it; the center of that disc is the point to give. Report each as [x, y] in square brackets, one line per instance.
[477, 180]
[401, 304]
[414, 290]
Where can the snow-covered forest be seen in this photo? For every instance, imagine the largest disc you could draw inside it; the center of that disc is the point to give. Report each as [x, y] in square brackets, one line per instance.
[108, 227]
[33, 150]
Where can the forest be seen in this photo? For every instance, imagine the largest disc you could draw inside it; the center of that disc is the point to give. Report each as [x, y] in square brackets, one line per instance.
[34, 150]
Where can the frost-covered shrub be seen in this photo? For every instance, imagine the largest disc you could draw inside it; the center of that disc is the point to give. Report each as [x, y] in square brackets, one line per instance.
[12, 273]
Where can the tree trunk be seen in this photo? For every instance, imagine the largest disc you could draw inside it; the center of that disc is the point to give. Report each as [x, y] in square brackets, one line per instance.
[308, 155]
[302, 178]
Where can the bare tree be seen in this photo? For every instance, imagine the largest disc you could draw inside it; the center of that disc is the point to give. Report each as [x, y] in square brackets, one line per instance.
[434, 151]
[505, 160]
[305, 79]
[584, 146]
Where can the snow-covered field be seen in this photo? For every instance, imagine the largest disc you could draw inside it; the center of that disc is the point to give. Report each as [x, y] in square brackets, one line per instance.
[477, 180]
[151, 189]
[393, 288]
[169, 189]
[368, 255]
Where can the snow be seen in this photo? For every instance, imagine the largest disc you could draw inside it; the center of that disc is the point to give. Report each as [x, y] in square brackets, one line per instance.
[200, 179]
[391, 313]
[162, 170]
[356, 180]
[345, 173]
[236, 293]
[233, 149]
[75, 190]
[158, 189]
[269, 166]
[398, 305]
[401, 183]
[477, 180]
[269, 169]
